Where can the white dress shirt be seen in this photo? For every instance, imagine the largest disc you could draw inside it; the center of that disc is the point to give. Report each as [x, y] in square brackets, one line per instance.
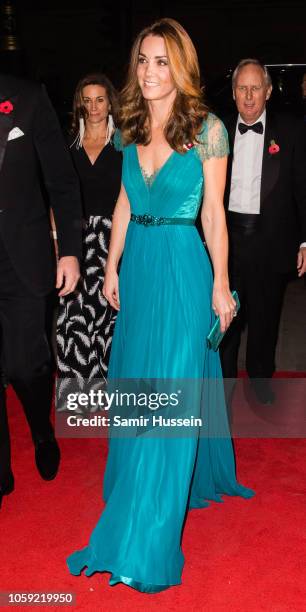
[246, 170]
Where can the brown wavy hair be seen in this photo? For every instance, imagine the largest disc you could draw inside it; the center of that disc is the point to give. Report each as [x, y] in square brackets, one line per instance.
[189, 109]
[79, 110]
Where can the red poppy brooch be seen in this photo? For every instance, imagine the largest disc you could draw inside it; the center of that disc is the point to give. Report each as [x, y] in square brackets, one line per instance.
[273, 148]
[6, 107]
[188, 146]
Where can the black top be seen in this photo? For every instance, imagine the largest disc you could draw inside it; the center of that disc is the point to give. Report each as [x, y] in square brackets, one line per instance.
[100, 182]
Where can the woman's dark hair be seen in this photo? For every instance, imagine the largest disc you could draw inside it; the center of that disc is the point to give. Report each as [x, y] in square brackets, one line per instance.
[79, 110]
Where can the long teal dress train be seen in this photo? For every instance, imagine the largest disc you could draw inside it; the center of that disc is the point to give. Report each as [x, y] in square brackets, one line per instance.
[166, 313]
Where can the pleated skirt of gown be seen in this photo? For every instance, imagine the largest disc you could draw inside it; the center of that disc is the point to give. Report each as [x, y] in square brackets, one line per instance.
[150, 482]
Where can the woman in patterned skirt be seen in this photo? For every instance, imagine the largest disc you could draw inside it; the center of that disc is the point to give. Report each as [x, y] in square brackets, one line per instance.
[86, 321]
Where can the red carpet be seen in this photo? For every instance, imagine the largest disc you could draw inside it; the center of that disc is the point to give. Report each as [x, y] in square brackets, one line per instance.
[241, 556]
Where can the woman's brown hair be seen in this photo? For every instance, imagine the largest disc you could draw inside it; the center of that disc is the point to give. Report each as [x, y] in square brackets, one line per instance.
[189, 109]
[79, 110]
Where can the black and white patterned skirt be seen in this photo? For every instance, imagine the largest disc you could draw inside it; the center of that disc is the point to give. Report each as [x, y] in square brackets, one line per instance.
[86, 320]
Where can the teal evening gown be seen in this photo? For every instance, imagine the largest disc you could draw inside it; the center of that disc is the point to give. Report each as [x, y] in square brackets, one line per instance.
[166, 312]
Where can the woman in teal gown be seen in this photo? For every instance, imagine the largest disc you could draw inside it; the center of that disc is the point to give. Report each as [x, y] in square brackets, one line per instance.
[168, 302]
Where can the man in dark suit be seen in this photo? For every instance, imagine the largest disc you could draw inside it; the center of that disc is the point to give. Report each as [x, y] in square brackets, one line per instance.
[32, 149]
[266, 215]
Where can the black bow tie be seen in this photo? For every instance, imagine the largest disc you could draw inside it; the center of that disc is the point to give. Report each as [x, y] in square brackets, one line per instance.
[256, 127]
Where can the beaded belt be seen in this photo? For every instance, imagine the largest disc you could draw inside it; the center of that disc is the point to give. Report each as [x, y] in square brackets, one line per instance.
[151, 220]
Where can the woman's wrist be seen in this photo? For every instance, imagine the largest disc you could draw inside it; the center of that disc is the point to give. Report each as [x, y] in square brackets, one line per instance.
[221, 283]
[111, 266]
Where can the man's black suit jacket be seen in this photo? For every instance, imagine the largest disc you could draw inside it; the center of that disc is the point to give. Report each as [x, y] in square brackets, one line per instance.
[283, 189]
[38, 157]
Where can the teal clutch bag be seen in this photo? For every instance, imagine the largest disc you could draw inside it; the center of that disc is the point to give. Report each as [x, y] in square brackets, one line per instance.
[215, 335]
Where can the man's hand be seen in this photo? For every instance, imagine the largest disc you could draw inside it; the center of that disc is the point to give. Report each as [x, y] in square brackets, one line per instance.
[68, 272]
[301, 261]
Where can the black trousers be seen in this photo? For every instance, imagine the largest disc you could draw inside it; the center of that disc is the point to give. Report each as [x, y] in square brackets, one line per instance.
[25, 358]
[261, 291]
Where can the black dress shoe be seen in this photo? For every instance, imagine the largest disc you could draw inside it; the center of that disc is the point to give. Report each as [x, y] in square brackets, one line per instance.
[47, 457]
[7, 487]
[263, 391]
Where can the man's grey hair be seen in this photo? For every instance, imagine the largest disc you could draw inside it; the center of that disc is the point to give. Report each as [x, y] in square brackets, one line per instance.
[255, 62]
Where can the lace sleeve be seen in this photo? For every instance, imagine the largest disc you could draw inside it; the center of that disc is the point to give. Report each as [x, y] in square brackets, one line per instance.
[117, 140]
[213, 139]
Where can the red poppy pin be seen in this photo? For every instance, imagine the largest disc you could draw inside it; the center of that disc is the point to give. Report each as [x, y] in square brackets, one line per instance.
[188, 146]
[6, 107]
[273, 148]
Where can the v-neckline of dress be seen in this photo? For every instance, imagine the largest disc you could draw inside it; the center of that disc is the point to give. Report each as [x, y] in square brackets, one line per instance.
[88, 158]
[156, 173]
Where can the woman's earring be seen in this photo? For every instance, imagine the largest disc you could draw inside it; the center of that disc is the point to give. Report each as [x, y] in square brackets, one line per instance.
[81, 132]
[80, 135]
[110, 128]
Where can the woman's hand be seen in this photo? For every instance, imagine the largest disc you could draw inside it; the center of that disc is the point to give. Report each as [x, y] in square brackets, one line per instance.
[111, 288]
[121, 218]
[223, 305]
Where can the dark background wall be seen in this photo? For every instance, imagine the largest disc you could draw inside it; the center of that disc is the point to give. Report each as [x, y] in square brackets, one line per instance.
[61, 40]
